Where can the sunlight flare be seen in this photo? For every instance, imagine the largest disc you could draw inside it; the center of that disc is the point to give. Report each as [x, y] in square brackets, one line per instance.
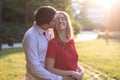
[105, 4]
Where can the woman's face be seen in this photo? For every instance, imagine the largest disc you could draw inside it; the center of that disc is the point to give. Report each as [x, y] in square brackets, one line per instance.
[61, 22]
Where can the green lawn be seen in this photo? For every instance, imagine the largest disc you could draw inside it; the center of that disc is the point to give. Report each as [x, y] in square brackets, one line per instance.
[100, 58]
[95, 56]
[12, 64]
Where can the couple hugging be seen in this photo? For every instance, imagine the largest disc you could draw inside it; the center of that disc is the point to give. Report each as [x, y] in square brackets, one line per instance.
[49, 47]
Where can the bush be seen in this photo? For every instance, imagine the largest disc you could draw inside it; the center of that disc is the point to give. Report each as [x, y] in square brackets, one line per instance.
[15, 31]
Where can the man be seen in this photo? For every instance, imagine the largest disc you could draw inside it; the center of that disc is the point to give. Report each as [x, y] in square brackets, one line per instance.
[35, 44]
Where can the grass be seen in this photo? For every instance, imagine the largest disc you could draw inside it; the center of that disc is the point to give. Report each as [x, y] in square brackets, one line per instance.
[12, 64]
[95, 56]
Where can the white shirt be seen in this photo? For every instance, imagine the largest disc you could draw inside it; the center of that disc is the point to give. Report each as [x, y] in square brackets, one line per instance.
[35, 46]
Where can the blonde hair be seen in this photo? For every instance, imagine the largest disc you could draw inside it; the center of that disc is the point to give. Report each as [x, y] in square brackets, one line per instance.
[68, 30]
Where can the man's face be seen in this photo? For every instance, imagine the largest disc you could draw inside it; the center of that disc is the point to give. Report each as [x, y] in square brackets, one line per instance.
[52, 23]
[49, 25]
[44, 26]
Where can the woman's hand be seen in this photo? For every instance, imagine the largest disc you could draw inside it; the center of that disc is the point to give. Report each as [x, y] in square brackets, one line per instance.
[77, 75]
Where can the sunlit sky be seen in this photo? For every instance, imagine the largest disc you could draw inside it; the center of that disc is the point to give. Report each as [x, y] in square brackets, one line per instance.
[96, 9]
[105, 4]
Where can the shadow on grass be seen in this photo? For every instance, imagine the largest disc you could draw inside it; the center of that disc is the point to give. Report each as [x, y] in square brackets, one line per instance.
[6, 52]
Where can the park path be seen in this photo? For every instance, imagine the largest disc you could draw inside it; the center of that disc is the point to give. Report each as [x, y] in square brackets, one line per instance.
[15, 45]
[86, 35]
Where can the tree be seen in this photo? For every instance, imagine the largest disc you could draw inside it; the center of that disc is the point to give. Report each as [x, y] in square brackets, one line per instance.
[13, 11]
[14, 18]
[85, 21]
[61, 4]
[87, 24]
[0, 24]
[26, 13]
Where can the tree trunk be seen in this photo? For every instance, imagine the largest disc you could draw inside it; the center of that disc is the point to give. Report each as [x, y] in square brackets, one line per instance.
[0, 24]
[26, 14]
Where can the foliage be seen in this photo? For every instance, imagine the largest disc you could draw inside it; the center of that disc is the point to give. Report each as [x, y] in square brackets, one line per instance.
[76, 26]
[87, 24]
[61, 4]
[13, 15]
[12, 20]
[85, 21]
[12, 11]
[15, 32]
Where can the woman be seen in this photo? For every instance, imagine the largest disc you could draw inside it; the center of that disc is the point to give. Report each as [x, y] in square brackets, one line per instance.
[61, 57]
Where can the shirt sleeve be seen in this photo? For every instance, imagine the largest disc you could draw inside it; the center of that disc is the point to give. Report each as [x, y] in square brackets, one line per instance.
[52, 49]
[30, 48]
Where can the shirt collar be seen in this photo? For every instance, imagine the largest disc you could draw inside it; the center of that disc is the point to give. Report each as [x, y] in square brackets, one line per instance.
[38, 29]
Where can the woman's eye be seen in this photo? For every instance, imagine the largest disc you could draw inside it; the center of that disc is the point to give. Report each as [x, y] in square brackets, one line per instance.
[63, 18]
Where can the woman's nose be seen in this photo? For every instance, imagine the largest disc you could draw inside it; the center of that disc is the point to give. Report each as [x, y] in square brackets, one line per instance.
[60, 20]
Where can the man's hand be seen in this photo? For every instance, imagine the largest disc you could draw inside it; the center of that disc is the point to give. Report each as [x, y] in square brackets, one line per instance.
[68, 78]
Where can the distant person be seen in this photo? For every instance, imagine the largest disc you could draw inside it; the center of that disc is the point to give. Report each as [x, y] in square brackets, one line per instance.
[107, 36]
[62, 57]
[35, 43]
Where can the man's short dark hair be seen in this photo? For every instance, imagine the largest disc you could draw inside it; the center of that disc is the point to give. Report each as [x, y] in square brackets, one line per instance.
[44, 14]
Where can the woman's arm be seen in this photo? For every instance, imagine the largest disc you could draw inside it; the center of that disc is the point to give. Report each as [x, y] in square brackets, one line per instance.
[49, 64]
[50, 67]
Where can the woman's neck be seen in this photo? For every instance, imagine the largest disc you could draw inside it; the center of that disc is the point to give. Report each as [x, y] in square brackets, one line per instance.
[62, 36]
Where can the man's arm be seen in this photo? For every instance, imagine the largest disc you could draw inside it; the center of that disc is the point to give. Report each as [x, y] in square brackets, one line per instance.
[30, 49]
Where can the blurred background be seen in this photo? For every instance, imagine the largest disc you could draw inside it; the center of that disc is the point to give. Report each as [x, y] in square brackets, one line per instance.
[86, 15]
